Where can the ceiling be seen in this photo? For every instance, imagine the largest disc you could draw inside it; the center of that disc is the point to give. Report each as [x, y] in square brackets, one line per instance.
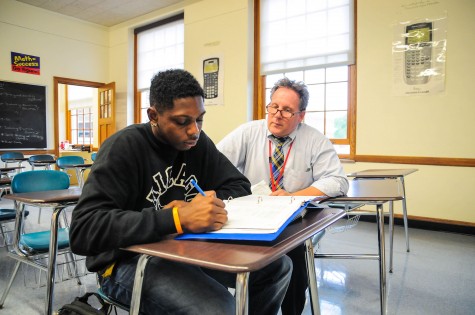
[102, 12]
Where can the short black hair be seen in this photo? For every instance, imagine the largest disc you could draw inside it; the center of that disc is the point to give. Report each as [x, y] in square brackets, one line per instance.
[298, 86]
[172, 84]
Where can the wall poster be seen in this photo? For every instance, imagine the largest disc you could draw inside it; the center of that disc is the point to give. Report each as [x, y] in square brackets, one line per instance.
[419, 50]
[213, 79]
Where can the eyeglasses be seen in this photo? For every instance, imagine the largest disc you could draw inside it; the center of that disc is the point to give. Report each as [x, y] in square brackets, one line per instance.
[286, 113]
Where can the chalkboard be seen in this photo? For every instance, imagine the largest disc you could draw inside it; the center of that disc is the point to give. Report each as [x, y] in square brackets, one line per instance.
[22, 116]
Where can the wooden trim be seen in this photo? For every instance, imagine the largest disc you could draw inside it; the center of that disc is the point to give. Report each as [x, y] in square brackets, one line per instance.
[137, 102]
[66, 81]
[418, 160]
[435, 220]
[425, 223]
[257, 62]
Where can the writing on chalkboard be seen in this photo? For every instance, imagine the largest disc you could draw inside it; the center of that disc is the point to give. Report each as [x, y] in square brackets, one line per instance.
[22, 116]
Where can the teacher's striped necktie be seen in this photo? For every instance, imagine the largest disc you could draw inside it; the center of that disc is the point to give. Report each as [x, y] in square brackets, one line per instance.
[278, 162]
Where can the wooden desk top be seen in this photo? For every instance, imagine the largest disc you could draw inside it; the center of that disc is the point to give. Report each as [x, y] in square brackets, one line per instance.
[381, 173]
[50, 196]
[232, 256]
[372, 191]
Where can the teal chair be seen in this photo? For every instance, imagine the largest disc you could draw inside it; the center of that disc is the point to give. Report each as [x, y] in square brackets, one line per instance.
[93, 156]
[8, 158]
[66, 162]
[32, 248]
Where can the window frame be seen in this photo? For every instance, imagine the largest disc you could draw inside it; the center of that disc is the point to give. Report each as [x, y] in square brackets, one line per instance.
[259, 96]
[138, 93]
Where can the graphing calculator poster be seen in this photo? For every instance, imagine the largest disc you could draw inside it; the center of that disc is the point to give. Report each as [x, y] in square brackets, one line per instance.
[212, 79]
[419, 50]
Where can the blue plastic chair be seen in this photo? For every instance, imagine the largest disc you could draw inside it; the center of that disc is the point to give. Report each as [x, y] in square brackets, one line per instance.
[65, 162]
[11, 155]
[93, 156]
[34, 246]
[5, 157]
[7, 216]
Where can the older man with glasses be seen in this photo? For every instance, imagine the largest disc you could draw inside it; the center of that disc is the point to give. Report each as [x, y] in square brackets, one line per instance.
[281, 155]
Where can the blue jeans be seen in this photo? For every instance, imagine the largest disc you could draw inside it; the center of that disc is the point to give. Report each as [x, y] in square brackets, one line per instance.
[176, 288]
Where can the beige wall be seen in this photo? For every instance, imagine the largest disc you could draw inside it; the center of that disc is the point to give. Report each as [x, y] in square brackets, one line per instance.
[66, 47]
[430, 126]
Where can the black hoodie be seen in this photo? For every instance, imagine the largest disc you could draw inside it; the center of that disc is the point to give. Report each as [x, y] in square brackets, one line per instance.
[133, 177]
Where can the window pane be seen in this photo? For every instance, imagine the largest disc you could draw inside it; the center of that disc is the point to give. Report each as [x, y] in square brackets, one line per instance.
[297, 75]
[342, 148]
[336, 125]
[316, 120]
[271, 79]
[337, 74]
[316, 97]
[315, 76]
[337, 96]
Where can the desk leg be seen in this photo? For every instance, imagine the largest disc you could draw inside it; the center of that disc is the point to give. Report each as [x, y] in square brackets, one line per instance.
[404, 210]
[137, 289]
[242, 293]
[78, 176]
[391, 235]
[312, 278]
[382, 258]
[53, 249]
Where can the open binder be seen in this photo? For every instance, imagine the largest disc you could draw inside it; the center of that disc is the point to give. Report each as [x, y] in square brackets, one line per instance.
[257, 217]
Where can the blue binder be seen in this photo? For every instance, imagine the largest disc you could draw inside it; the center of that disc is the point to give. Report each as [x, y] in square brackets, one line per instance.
[267, 237]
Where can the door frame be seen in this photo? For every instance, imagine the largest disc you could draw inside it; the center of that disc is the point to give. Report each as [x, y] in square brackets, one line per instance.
[66, 81]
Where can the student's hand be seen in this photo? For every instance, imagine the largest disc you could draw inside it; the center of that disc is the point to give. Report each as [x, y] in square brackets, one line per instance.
[203, 213]
[175, 203]
[280, 192]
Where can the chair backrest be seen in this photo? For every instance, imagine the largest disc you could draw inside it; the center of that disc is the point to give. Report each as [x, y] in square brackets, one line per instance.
[40, 157]
[41, 180]
[69, 160]
[11, 155]
[93, 156]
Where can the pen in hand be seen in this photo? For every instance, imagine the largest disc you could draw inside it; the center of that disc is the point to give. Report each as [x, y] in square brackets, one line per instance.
[194, 183]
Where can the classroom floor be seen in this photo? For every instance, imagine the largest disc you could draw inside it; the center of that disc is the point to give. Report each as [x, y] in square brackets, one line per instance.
[436, 277]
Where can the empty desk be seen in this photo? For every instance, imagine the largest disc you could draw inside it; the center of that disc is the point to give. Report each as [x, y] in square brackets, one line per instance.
[390, 174]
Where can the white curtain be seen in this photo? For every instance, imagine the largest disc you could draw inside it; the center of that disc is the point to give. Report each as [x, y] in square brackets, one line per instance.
[158, 49]
[306, 34]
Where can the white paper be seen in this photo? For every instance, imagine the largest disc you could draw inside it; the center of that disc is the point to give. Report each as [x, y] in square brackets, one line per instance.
[260, 214]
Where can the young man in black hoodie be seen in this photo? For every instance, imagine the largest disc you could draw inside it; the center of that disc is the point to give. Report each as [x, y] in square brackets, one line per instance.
[139, 190]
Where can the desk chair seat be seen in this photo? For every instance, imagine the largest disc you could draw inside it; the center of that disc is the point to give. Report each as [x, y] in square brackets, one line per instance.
[7, 216]
[38, 242]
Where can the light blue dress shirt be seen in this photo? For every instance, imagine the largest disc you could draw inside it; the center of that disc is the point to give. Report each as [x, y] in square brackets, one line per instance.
[313, 160]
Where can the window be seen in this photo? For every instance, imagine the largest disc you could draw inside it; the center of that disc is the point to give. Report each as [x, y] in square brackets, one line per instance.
[82, 125]
[312, 41]
[81, 108]
[159, 46]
